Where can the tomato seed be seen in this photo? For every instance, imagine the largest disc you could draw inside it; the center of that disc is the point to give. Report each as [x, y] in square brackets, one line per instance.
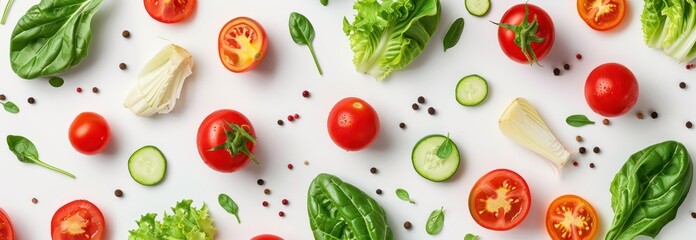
[682, 85]
[126, 34]
[31, 100]
[281, 214]
[653, 115]
[122, 66]
[2, 97]
[79, 89]
[118, 193]
[267, 191]
[264, 203]
[415, 106]
[280, 122]
[421, 100]
[605, 121]
[379, 191]
[95, 90]
[596, 150]
[291, 118]
[305, 94]
[591, 165]
[260, 182]
[402, 125]
[373, 170]
[34, 200]
[408, 225]
[582, 150]
[689, 125]
[556, 72]
[290, 166]
[566, 66]
[578, 56]
[285, 202]
[431, 111]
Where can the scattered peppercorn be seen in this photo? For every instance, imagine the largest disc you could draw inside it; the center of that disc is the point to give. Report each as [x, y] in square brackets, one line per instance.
[2, 97]
[290, 166]
[306, 162]
[373, 170]
[689, 125]
[605, 121]
[682, 85]
[122, 66]
[280, 122]
[95, 90]
[379, 191]
[31, 100]
[653, 115]
[267, 191]
[414, 106]
[291, 118]
[297, 116]
[260, 182]
[34, 200]
[595, 149]
[578, 138]
[556, 72]
[285, 202]
[431, 111]
[126, 34]
[281, 214]
[402, 125]
[575, 163]
[118, 193]
[578, 56]
[421, 100]
[408, 225]
[79, 89]
[566, 66]
[582, 150]
[693, 214]
[688, 66]
[264, 203]
[639, 115]
[591, 165]
[305, 94]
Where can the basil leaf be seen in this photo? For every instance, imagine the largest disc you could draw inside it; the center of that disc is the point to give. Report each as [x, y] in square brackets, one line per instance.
[26, 152]
[10, 107]
[470, 236]
[56, 82]
[403, 195]
[302, 32]
[453, 34]
[578, 120]
[324, 2]
[435, 222]
[229, 205]
[445, 149]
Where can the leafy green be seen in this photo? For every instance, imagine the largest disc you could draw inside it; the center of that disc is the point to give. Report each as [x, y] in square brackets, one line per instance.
[470, 236]
[302, 32]
[10, 107]
[445, 148]
[670, 25]
[56, 82]
[52, 37]
[578, 120]
[648, 190]
[403, 195]
[435, 221]
[186, 222]
[7, 10]
[387, 35]
[338, 210]
[453, 34]
[324, 2]
[229, 205]
[26, 152]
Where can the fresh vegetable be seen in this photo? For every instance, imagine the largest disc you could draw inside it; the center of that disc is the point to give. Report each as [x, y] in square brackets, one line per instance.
[353, 124]
[147, 165]
[89, 133]
[571, 217]
[78, 220]
[435, 221]
[338, 210]
[242, 44]
[453, 34]
[6, 229]
[168, 11]
[229, 205]
[477, 8]
[160, 82]
[324, 2]
[611, 89]
[52, 37]
[386, 36]
[56, 82]
[471, 90]
[578, 120]
[648, 190]
[226, 140]
[403, 195]
[266, 237]
[500, 200]
[602, 15]
[522, 124]
[10, 107]
[302, 32]
[670, 26]
[26, 152]
[185, 222]
[7, 10]
[526, 33]
[435, 157]
[470, 236]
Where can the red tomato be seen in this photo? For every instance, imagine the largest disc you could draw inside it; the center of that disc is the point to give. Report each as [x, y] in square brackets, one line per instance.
[242, 44]
[226, 140]
[500, 200]
[611, 90]
[78, 220]
[89, 133]
[535, 50]
[266, 237]
[6, 230]
[353, 124]
[571, 217]
[602, 15]
[170, 11]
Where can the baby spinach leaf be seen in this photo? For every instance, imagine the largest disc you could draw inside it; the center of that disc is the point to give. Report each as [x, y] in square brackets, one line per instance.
[56, 82]
[229, 205]
[453, 34]
[445, 148]
[324, 2]
[302, 32]
[403, 195]
[470, 236]
[26, 152]
[435, 221]
[578, 120]
[10, 107]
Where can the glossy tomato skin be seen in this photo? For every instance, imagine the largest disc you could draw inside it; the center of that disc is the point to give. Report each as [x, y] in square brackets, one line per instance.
[611, 90]
[6, 229]
[242, 44]
[211, 133]
[514, 16]
[353, 124]
[83, 214]
[569, 209]
[170, 11]
[602, 20]
[89, 133]
[502, 192]
[267, 237]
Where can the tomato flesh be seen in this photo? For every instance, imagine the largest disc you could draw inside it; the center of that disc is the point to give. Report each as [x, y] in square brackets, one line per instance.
[6, 229]
[212, 133]
[242, 44]
[89, 133]
[500, 200]
[571, 217]
[602, 15]
[353, 124]
[78, 220]
[267, 237]
[170, 11]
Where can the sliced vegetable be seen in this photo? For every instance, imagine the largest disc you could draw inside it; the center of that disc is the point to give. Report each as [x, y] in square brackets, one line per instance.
[229, 205]
[185, 222]
[578, 120]
[160, 82]
[168, 11]
[7, 10]
[10, 107]
[648, 190]
[500, 200]
[453, 34]
[471, 90]
[571, 217]
[526, 33]
[302, 32]
[602, 15]
[147, 165]
[78, 220]
[386, 36]
[670, 26]
[477, 8]
[242, 44]
[435, 221]
[430, 162]
[403, 195]
[6, 229]
[266, 237]
[26, 152]
[522, 124]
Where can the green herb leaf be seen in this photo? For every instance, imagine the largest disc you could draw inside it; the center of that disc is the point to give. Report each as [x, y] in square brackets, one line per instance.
[578, 120]
[470, 236]
[324, 2]
[453, 34]
[10, 107]
[302, 32]
[435, 221]
[7, 10]
[229, 205]
[403, 195]
[56, 82]
[26, 152]
[445, 149]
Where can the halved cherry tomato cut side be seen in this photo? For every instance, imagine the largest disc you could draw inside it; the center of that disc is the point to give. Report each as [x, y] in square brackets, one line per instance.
[602, 15]
[78, 220]
[170, 11]
[242, 44]
[499, 200]
[571, 217]
[6, 230]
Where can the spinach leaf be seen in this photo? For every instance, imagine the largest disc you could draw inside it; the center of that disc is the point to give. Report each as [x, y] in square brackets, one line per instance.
[453, 34]
[7, 10]
[26, 152]
[445, 148]
[435, 221]
[229, 205]
[403, 195]
[10, 107]
[470, 236]
[578, 120]
[56, 82]
[648, 190]
[52, 37]
[324, 2]
[302, 32]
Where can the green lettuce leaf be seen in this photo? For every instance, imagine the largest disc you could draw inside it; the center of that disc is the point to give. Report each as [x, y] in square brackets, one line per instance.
[186, 223]
[670, 25]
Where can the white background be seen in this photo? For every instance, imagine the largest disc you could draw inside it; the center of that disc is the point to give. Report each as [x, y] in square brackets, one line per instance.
[273, 90]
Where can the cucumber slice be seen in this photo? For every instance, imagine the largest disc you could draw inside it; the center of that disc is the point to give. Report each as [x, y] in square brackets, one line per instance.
[147, 165]
[471, 90]
[428, 164]
[477, 7]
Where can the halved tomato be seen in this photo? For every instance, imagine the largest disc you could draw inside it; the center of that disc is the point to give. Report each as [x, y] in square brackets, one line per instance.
[500, 200]
[242, 44]
[602, 15]
[571, 217]
[6, 230]
[170, 11]
[78, 220]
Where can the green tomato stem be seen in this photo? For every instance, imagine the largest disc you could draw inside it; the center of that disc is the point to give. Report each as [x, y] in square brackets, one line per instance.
[316, 62]
[4, 13]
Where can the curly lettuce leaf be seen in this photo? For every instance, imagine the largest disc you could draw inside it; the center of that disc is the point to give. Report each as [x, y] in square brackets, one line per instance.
[388, 35]
[186, 223]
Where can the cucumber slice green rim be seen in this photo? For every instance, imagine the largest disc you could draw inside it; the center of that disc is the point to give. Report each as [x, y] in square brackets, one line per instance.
[147, 165]
[471, 90]
[426, 162]
[477, 8]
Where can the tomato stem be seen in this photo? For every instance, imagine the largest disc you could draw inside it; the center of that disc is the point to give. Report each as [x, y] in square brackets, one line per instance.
[525, 35]
[237, 138]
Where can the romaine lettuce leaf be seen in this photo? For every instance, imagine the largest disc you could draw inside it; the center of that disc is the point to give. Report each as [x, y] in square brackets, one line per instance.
[186, 223]
[670, 25]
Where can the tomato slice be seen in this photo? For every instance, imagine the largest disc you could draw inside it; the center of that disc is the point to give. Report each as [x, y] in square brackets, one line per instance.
[6, 229]
[242, 44]
[499, 200]
[78, 220]
[602, 15]
[170, 11]
[571, 217]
